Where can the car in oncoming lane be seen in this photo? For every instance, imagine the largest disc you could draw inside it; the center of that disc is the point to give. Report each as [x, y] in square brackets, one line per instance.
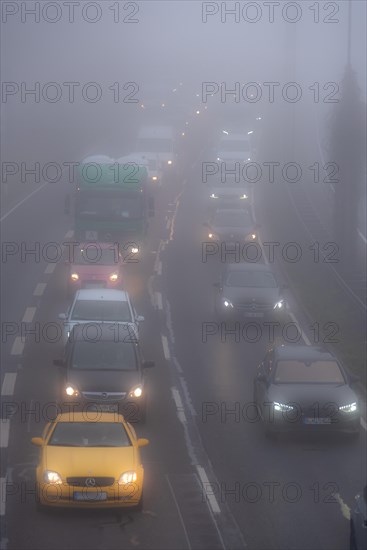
[108, 372]
[94, 306]
[301, 387]
[249, 290]
[89, 462]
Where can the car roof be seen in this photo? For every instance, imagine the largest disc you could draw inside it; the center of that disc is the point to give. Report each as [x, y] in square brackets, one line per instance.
[303, 352]
[102, 294]
[82, 417]
[107, 332]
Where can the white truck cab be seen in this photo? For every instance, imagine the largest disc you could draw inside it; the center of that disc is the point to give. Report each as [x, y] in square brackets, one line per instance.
[234, 148]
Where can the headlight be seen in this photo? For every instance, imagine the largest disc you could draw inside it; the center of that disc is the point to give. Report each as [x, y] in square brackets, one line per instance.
[279, 305]
[169, 162]
[243, 197]
[71, 391]
[352, 407]
[251, 236]
[218, 158]
[114, 277]
[214, 196]
[248, 159]
[74, 277]
[211, 236]
[127, 477]
[282, 407]
[136, 392]
[154, 178]
[134, 250]
[52, 477]
[227, 303]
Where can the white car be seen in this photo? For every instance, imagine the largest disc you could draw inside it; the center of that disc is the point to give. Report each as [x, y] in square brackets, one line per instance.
[234, 148]
[94, 306]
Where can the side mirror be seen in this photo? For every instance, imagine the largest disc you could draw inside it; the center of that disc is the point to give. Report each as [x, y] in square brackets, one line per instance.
[139, 318]
[142, 442]
[37, 441]
[62, 316]
[59, 362]
[148, 364]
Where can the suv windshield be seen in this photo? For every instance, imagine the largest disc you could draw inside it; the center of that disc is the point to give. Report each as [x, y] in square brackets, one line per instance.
[101, 310]
[103, 355]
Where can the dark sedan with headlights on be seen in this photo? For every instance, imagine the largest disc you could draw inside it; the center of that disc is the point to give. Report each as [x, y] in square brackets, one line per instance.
[300, 387]
[105, 370]
[232, 226]
[249, 290]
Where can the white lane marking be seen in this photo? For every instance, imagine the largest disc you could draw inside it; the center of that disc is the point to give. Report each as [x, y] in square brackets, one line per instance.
[344, 507]
[39, 290]
[23, 201]
[50, 268]
[165, 348]
[29, 314]
[362, 236]
[3, 485]
[363, 424]
[158, 300]
[304, 336]
[179, 513]
[69, 234]
[17, 347]
[8, 383]
[4, 432]
[168, 223]
[179, 405]
[210, 497]
[159, 268]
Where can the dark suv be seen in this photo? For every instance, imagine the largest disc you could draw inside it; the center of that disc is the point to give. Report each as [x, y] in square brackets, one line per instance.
[106, 371]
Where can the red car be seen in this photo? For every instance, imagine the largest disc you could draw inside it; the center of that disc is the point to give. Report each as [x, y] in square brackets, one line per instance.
[94, 265]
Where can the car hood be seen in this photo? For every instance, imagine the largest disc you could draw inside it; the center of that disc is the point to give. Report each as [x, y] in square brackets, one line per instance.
[90, 461]
[305, 395]
[103, 380]
[237, 232]
[248, 295]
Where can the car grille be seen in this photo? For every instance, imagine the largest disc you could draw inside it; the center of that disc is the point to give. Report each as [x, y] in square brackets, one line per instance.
[88, 481]
[253, 306]
[104, 396]
[94, 283]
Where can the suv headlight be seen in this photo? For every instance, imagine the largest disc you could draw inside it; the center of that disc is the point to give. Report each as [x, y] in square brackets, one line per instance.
[169, 162]
[134, 250]
[244, 196]
[352, 407]
[127, 477]
[282, 407]
[227, 303]
[251, 237]
[74, 277]
[136, 392]
[212, 236]
[71, 391]
[52, 477]
[279, 305]
[114, 277]
[214, 196]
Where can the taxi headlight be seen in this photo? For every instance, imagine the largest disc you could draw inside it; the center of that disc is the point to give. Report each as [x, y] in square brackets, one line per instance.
[136, 392]
[352, 407]
[114, 277]
[74, 277]
[127, 477]
[52, 477]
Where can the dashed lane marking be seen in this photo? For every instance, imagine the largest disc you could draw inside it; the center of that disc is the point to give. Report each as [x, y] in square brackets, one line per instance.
[304, 336]
[8, 383]
[4, 432]
[166, 352]
[39, 290]
[17, 347]
[50, 268]
[158, 300]
[29, 314]
[205, 482]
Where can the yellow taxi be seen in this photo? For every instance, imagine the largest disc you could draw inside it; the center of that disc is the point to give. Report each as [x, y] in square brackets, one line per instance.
[89, 460]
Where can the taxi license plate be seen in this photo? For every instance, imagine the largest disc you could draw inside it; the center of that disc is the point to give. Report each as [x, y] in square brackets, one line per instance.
[308, 420]
[90, 496]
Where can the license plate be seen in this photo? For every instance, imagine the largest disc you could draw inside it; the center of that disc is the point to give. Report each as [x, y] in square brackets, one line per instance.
[308, 420]
[90, 496]
[104, 407]
[253, 314]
